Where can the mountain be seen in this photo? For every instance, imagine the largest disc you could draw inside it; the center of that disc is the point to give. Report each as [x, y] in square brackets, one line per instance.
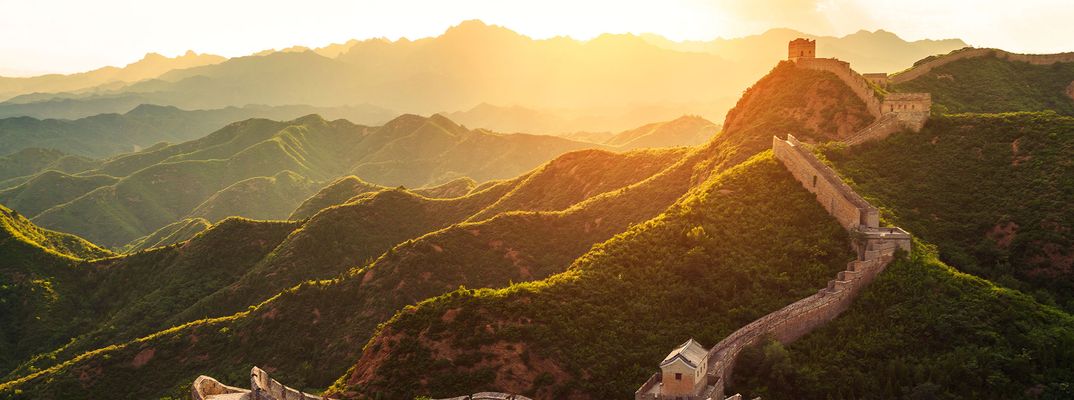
[609, 83]
[32, 160]
[162, 185]
[1014, 332]
[426, 247]
[276, 196]
[145, 125]
[455, 188]
[566, 122]
[179, 231]
[338, 192]
[990, 84]
[684, 131]
[35, 263]
[712, 241]
[151, 66]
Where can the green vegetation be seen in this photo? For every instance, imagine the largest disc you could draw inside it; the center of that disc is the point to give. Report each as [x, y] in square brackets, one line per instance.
[489, 253]
[261, 197]
[580, 175]
[35, 263]
[990, 85]
[312, 332]
[454, 188]
[337, 192]
[176, 232]
[33, 160]
[168, 183]
[92, 305]
[745, 243]
[923, 331]
[49, 189]
[1007, 204]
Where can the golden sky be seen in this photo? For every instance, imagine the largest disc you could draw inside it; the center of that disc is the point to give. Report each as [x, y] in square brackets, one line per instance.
[77, 35]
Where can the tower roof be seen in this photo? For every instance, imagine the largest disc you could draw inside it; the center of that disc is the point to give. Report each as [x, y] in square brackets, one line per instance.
[691, 352]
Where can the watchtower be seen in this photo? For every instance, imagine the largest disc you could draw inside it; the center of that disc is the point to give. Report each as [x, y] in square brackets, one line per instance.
[801, 48]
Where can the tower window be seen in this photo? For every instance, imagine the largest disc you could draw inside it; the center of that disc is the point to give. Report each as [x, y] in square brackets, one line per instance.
[814, 181]
[678, 376]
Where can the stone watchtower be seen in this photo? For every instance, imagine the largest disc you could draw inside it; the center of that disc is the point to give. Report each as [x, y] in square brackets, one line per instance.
[801, 48]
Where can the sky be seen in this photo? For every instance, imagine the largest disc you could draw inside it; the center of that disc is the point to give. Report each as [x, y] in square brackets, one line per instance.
[45, 36]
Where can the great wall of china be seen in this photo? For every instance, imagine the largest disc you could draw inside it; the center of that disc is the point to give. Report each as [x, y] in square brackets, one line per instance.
[969, 52]
[876, 246]
[893, 112]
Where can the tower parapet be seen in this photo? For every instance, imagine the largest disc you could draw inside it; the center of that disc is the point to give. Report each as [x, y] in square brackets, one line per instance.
[801, 48]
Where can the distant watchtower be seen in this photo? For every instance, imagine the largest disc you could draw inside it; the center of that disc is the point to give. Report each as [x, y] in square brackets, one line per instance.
[801, 48]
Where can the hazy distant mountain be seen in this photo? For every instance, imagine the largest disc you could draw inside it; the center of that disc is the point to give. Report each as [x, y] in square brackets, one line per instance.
[106, 135]
[152, 66]
[475, 63]
[879, 51]
[583, 124]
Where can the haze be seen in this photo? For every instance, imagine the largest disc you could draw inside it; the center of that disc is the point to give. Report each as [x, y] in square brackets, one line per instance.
[66, 36]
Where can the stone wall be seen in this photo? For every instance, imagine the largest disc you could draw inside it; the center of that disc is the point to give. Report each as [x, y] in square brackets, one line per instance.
[490, 396]
[263, 387]
[857, 83]
[877, 249]
[205, 386]
[1036, 59]
[833, 194]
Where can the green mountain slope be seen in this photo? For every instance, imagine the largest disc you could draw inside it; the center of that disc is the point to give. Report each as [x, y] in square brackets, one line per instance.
[337, 192]
[35, 267]
[49, 189]
[176, 232]
[990, 84]
[32, 160]
[454, 188]
[258, 198]
[1008, 202]
[491, 253]
[923, 330]
[165, 184]
[732, 235]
